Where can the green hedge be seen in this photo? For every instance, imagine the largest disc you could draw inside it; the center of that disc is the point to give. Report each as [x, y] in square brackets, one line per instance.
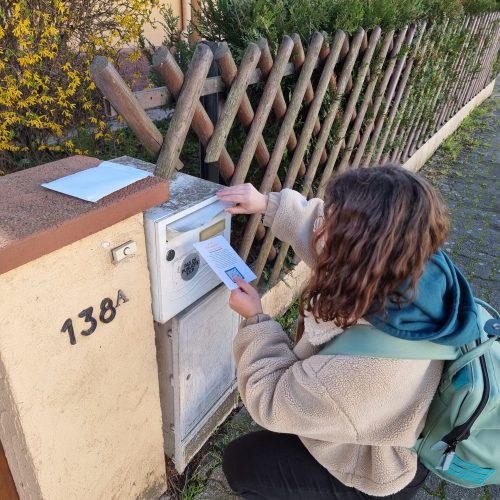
[242, 21]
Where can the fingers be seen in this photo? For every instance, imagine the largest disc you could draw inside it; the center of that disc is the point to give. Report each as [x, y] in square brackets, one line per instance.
[240, 188]
[234, 194]
[235, 198]
[246, 287]
[236, 210]
[234, 295]
[231, 196]
[241, 191]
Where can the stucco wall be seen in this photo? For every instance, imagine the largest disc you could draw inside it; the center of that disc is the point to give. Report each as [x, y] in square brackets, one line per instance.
[155, 33]
[81, 421]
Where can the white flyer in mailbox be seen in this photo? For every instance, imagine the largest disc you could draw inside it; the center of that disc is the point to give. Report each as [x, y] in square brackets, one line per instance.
[224, 261]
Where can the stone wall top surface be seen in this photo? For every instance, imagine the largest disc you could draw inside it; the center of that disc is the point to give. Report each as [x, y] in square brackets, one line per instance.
[35, 221]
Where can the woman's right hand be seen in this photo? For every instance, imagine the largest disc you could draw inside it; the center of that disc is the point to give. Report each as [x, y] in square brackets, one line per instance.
[248, 200]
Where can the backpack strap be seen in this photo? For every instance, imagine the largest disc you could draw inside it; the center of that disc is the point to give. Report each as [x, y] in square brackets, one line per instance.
[366, 340]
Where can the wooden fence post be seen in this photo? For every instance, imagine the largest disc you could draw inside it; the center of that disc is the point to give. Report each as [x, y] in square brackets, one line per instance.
[212, 104]
[184, 111]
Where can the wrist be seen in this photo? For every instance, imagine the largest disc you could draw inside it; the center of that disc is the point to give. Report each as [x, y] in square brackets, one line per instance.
[252, 313]
[255, 319]
[265, 200]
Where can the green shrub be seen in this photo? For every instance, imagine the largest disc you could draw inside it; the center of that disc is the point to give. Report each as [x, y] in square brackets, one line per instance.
[46, 47]
[242, 21]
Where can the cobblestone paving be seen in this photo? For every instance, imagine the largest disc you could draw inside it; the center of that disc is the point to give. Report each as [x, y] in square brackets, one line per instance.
[470, 187]
[469, 184]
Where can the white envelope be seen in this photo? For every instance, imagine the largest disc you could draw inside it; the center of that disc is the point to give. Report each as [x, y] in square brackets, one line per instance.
[95, 183]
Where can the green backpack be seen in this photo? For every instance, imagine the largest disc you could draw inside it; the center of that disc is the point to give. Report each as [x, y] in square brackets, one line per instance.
[460, 441]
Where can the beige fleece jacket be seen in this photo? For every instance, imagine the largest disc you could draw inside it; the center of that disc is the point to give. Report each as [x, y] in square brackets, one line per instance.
[358, 416]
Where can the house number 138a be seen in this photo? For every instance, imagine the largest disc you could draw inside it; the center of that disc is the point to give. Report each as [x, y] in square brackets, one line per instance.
[107, 313]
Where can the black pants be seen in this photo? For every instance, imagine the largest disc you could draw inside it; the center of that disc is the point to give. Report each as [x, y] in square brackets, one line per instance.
[269, 466]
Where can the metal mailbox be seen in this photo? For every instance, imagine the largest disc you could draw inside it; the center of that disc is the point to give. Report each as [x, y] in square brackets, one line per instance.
[194, 325]
[179, 276]
[197, 373]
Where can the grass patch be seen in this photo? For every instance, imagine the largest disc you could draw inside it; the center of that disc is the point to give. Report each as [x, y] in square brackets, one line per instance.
[439, 493]
[193, 481]
[463, 139]
[486, 494]
[288, 320]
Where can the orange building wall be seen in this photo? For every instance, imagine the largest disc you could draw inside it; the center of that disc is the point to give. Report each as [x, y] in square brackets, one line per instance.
[181, 9]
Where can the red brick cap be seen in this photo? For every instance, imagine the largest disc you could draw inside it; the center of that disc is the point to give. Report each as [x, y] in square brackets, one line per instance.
[35, 221]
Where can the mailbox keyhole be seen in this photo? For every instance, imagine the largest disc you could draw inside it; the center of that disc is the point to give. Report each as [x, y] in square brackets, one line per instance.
[170, 255]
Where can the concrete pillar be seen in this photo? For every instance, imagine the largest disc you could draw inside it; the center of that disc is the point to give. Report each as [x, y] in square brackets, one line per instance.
[80, 414]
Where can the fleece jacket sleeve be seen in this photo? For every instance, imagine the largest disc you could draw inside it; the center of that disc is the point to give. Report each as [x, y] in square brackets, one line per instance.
[281, 392]
[291, 218]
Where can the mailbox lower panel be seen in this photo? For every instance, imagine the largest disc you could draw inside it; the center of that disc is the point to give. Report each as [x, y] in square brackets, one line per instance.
[197, 373]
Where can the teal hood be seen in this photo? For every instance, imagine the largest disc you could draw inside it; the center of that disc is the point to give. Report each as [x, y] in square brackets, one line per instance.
[444, 310]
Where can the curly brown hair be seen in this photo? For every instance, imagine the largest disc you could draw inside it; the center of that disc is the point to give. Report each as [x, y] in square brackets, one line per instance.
[380, 226]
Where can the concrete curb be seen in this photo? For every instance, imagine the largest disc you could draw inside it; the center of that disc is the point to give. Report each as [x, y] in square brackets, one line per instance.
[418, 159]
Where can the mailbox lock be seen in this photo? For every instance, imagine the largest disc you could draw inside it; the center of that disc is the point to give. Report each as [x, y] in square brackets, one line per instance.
[170, 255]
[123, 251]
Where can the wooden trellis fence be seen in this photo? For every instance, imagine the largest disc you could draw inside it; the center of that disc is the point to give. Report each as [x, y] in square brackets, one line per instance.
[369, 99]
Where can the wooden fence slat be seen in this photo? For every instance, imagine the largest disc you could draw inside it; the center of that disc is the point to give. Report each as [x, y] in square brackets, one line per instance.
[420, 115]
[428, 129]
[399, 120]
[303, 81]
[301, 86]
[279, 104]
[443, 116]
[482, 39]
[464, 69]
[232, 104]
[486, 58]
[380, 95]
[324, 84]
[413, 108]
[469, 74]
[397, 99]
[284, 134]
[188, 99]
[418, 110]
[342, 82]
[263, 110]
[307, 130]
[172, 75]
[482, 55]
[399, 110]
[389, 94]
[493, 52]
[228, 71]
[354, 134]
[298, 60]
[447, 84]
[111, 84]
[418, 141]
[160, 96]
[349, 109]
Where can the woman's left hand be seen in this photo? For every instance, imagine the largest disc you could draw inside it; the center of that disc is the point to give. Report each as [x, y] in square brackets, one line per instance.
[245, 300]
